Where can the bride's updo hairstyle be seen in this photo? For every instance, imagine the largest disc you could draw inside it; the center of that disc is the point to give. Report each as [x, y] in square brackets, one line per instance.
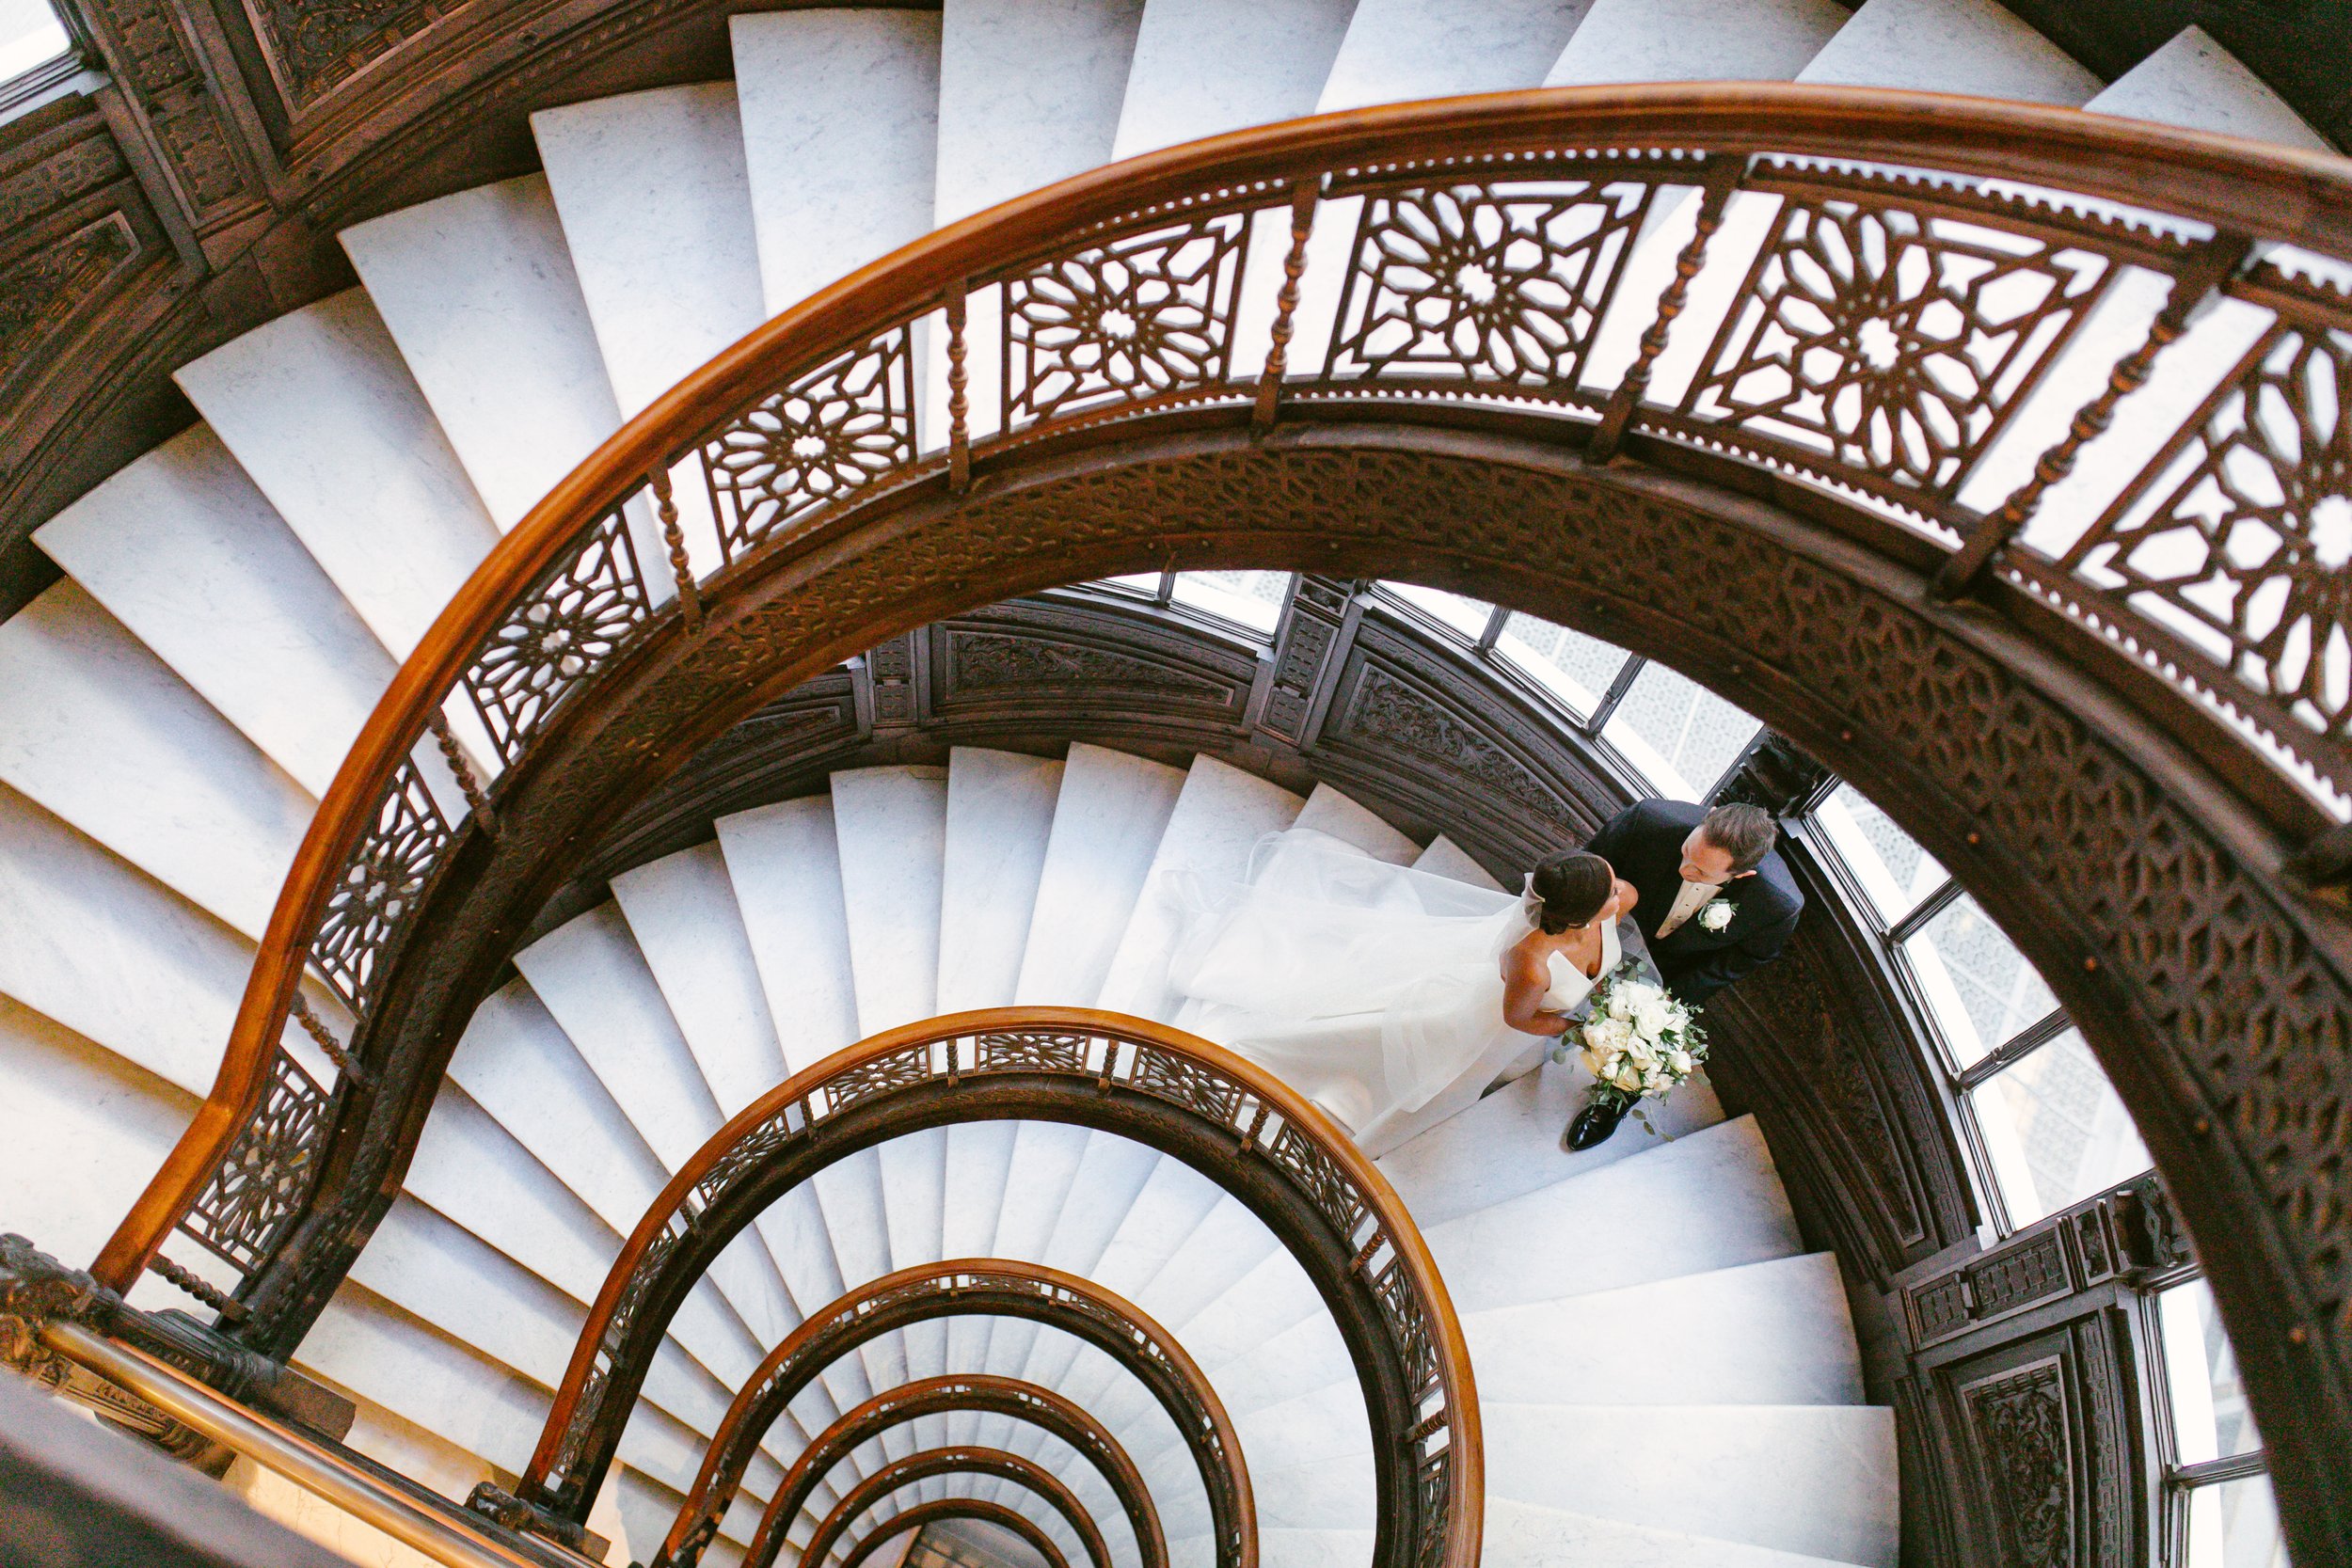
[1574, 887]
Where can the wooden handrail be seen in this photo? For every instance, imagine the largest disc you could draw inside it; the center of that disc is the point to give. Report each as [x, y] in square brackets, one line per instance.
[957, 1508]
[1022, 1472]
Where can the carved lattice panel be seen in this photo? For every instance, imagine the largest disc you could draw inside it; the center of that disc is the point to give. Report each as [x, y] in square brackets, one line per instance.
[1892, 342]
[2239, 539]
[894, 1070]
[1186, 1083]
[1502, 285]
[245, 1208]
[1031, 1051]
[559, 635]
[830, 434]
[1140, 318]
[371, 903]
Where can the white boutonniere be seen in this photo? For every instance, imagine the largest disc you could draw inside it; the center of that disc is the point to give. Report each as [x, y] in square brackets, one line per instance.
[1716, 915]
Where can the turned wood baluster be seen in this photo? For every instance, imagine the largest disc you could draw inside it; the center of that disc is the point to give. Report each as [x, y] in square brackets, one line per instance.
[1303, 197]
[690, 596]
[2203, 273]
[1722, 177]
[461, 767]
[325, 1038]
[958, 405]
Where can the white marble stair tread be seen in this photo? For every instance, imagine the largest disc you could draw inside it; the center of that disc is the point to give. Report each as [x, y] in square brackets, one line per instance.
[1818, 1481]
[1166, 1211]
[1221, 814]
[1445, 858]
[1029, 92]
[655, 208]
[372, 1348]
[840, 127]
[683, 916]
[1000, 816]
[97, 729]
[1529, 1535]
[1508, 1143]
[1400, 50]
[1220, 1250]
[479, 291]
[182, 550]
[1328, 811]
[1302, 1549]
[1044, 1160]
[2193, 81]
[892, 827]
[1709, 1200]
[1285, 1363]
[1203, 67]
[784, 865]
[1965, 46]
[1111, 1175]
[322, 411]
[1108, 821]
[1695, 41]
[1779, 1332]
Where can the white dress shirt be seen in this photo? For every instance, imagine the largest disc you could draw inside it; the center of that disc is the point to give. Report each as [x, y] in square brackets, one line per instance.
[1693, 897]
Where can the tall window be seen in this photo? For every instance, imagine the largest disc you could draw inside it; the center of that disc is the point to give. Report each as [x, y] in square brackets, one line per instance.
[30, 35]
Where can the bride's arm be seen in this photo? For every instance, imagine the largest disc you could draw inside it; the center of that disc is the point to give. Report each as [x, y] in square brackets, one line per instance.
[1525, 982]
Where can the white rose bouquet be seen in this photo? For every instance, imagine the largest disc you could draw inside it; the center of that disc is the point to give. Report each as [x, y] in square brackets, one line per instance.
[1639, 1042]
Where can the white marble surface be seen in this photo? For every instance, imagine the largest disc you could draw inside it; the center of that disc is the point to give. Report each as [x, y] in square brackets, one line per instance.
[479, 291]
[840, 128]
[1221, 814]
[1526, 1535]
[89, 942]
[1400, 50]
[682, 915]
[1709, 1200]
[1771, 1333]
[657, 214]
[1445, 858]
[1202, 67]
[2193, 81]
[1000, 813]
[1508, 1143]
[322, 411]
[99, 729]
[1224, 1246]
[1328, 811]
[1323, 1493]
[784, 865]
[1107, 822]
[419, 1262]
[471, 1169]
[365, 1344]
[892, 827]
[1695, 41]
[1029, 93]
[1969, 46]
[1308, 1548]
[1814, 1480]
[181, 549]
[1166, 1214]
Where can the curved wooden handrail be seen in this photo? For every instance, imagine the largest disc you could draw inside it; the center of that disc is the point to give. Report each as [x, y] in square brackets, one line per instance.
[957, 1508]
[977, 1393]
[1021, 1472]
[967, 1286]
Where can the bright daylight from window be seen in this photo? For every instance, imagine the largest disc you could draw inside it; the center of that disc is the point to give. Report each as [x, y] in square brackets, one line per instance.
[29, 35]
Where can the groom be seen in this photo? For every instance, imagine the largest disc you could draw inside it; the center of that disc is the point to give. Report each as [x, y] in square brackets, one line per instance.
[1716, 901]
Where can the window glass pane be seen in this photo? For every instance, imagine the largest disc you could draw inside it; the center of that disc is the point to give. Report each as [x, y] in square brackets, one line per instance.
[2056, 1131]
[1980, 988]
[1680, 735]
[1576, 668]
[1254, 599]
[29, 36]
[1145, 583]
[2234, 1523]
[2209, 1415]
[1467, 616]
[1892, 870]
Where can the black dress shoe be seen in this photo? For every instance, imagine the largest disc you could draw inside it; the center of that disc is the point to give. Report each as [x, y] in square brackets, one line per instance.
[1591, 1128]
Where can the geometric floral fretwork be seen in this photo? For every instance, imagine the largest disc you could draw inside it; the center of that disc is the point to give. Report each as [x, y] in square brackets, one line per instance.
[1892, 342]
[560, 634]
[831, 432]
[245, 1209]
[369, 905]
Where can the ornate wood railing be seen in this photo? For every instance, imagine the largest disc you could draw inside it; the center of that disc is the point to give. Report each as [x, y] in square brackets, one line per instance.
[1025, 1473]
[1848, 304]
[945, 1509]
[976, 1394]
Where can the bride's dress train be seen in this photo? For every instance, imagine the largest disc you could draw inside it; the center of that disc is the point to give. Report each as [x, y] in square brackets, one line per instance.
[1367, 986]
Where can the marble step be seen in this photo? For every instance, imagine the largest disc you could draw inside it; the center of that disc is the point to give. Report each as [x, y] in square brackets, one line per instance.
[1202, 67]
[1452, 1168]
[1397, 51]
[2193, 81]
[1967, 46]
[1328, 811]
[479, 291]
[185, 551]
[1000, 816]
[1709, 1200]
[97, 729]
[684, 919]
[840, 129]
[1695, 41]
[1305, 1548]
[320, 408]
[1818, 1481]
[1445, 858]
[1221, 814]
[1772, 1333]
[1527, 1535]
[1109, 819]
[1029, 92]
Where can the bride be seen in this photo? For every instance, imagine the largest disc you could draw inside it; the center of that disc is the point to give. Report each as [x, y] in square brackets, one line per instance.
[1371, 987]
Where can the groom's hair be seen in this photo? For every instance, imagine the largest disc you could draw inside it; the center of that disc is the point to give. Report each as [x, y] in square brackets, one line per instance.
[1746, 833]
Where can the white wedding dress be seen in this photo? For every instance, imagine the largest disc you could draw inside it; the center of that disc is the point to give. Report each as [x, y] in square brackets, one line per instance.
[1369, 988]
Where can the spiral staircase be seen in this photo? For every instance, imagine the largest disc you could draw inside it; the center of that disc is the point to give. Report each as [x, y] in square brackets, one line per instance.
[1668, 1374]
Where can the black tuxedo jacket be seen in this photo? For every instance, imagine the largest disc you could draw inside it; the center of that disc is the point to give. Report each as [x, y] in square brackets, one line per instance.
[1643, 843]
